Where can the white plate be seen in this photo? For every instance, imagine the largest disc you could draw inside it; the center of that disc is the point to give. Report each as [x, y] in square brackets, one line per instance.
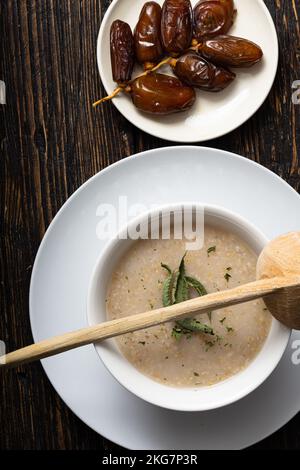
[214, 114]
[62, 273]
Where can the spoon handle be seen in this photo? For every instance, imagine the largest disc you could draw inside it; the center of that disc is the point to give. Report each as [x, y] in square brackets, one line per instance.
[109, 329]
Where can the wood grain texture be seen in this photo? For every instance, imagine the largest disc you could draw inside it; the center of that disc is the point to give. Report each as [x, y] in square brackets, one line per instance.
[51, 141]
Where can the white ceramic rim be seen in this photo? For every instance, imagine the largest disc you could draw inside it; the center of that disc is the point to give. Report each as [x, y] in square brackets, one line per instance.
[183, 399]
[180, 138]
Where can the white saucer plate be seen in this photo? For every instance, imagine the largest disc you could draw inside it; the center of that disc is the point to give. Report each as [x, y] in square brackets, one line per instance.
[214, 114]
[62, 273]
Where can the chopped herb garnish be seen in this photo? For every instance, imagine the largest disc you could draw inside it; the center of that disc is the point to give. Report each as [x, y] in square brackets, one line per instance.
[196, 374]
[229, 329]
[167, 357]
[211, 249]
[229, 268]
[151, 305]
[227, 277]
[177, 333]
[209, 345]
[223, 319]
[142, 342]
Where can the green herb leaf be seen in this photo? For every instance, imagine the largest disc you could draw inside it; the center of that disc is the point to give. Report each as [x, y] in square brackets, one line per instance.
[195, 326]
[227, 277]
[182, 265]
[170, 286]
[176, 277]
[182, 293]
[199, 288]
[167, 292]
[195, 284]
[165, 266]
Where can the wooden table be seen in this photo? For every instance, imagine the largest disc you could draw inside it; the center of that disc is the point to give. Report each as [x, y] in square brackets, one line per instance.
[52, 141]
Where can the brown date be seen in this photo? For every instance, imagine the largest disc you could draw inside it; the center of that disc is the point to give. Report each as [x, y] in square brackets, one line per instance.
[231, 51]
[177, 25]
[121, 51]
[147, 35]
[229, 5]
[161, 94]
[212, 18]
[195, 71]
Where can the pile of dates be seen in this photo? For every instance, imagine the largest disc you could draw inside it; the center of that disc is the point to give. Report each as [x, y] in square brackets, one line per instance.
[194, 42]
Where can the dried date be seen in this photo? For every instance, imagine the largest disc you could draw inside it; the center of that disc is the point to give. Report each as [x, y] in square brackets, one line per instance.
[212, 18]
[161, 94]
[176, 25]
[121, 51]
[147, 35]
[196, 71]
[231, 51]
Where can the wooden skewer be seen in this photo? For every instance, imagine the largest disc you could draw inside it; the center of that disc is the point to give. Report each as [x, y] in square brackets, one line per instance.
[278, 266]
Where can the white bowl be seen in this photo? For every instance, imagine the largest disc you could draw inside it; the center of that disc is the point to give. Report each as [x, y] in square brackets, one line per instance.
[183, 399]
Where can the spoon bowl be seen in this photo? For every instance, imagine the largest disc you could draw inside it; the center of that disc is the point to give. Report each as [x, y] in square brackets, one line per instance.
[281, 258]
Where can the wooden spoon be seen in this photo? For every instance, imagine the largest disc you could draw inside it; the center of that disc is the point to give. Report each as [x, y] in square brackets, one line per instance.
[278, 271]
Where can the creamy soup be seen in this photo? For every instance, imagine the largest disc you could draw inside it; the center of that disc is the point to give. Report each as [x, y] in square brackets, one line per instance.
[168, 353]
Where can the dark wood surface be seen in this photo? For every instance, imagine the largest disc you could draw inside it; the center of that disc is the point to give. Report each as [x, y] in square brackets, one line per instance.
[52, 141]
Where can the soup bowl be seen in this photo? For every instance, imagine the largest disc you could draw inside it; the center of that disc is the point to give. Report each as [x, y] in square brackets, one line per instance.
[184, 398]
